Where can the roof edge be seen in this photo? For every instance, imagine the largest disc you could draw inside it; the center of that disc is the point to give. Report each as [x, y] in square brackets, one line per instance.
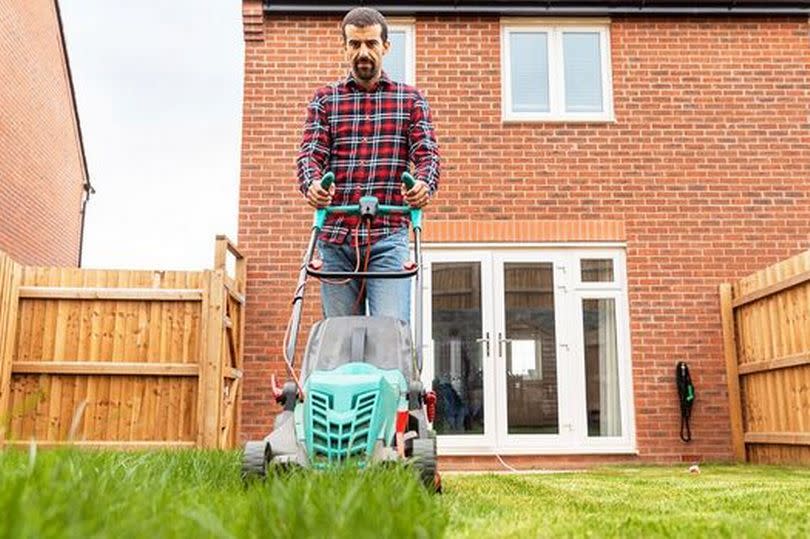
[549, 7]
[88, 185]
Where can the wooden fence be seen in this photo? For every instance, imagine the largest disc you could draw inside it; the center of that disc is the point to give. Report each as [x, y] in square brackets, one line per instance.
[124, 359]
[766, 332]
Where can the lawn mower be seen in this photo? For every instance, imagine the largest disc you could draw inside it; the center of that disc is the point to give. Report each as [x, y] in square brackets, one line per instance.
[359, 399]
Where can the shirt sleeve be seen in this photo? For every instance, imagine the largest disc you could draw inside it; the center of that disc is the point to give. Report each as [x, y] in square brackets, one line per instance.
[424, 150]
[313, 155]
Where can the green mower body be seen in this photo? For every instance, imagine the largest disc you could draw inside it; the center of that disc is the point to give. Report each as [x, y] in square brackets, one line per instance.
[349, 411]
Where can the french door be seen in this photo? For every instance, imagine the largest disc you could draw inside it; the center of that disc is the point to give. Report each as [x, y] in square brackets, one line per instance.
[520, 356]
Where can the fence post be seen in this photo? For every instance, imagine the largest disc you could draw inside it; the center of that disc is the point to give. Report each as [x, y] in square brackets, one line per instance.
[241, 284]
[732, 372]
[210, 388]
[10, 275]
[220, 252]
[223, 247]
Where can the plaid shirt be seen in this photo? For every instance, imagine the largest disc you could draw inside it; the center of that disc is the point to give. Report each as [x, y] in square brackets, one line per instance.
[367, 138]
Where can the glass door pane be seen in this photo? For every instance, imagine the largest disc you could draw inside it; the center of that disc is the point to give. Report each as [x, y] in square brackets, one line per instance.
[458, 364]
[530, 346]
[601, 367]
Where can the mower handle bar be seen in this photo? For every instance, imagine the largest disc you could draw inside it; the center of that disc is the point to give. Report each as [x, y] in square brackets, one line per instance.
[362, 274]
[354, 209]
[416, 271]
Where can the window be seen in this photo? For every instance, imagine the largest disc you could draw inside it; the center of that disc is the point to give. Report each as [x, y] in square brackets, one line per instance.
[601, 293]
[399, 62]
[596, 270]
[558, 72]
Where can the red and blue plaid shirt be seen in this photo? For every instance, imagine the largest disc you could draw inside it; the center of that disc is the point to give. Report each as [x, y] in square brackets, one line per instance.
[367, 138]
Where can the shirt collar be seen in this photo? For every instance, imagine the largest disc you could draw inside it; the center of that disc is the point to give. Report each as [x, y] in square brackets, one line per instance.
[382, 83]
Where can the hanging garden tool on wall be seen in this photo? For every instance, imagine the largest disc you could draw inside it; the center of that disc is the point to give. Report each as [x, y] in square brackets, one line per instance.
[686, 394]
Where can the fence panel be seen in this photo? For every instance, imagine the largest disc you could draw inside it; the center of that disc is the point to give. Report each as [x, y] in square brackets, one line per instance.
[117, 358]
[766, 324]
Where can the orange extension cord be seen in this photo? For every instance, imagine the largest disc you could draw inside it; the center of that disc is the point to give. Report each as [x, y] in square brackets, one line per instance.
[366, 258]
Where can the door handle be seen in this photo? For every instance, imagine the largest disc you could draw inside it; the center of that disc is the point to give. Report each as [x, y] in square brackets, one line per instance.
[501, 340]
[484, 340]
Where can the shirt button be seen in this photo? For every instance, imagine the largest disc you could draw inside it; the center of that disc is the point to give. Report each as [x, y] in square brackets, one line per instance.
[368, 117]
[362, 163]
[365, 140]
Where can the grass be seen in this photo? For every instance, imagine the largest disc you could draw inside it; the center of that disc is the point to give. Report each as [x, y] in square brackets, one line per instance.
[197, 494]
[723, 501]
[200, 494]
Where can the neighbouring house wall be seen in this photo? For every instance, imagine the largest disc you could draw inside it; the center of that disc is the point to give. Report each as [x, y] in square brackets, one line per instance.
[41, 165]
[706, 166]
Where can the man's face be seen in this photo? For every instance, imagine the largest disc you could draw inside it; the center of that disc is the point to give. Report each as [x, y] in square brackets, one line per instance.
[365, 50]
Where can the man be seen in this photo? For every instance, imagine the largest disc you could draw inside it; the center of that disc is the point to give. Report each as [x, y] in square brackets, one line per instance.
[367, 129]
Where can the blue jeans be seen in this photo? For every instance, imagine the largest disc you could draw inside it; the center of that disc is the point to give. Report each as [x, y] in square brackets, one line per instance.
[386, 297]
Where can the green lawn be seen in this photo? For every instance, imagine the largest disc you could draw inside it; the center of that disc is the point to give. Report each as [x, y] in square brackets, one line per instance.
[198, 494]
[723, 501]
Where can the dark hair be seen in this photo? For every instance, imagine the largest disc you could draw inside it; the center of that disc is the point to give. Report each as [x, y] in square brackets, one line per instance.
[362, 17]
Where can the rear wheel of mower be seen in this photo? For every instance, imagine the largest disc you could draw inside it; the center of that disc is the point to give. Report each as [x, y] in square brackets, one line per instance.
[424, 456]
[254, 460]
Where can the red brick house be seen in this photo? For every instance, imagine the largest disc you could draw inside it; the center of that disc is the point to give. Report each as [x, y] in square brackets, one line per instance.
[605, 165]
[44, 182]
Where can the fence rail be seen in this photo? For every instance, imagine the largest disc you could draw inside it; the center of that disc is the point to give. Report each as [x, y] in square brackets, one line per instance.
[118, 358]
[766, 336]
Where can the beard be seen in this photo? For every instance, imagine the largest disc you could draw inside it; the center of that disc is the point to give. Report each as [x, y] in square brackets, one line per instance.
[365, 69]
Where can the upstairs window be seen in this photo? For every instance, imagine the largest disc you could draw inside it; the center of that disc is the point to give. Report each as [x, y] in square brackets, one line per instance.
[556, 73]
[399, 63]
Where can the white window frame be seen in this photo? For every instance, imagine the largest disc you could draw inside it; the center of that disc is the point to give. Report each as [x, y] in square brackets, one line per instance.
[407, 26]
[568, 297]
[616, 290]
[556, 76]
[600, 254]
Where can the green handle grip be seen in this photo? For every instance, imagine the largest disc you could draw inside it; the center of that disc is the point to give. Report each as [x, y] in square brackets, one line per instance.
[416, 215]
[327, 180]
[320, 214]
[408, 180]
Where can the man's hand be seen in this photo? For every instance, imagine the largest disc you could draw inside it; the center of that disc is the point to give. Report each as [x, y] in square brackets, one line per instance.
[318, 197]
[418, 196]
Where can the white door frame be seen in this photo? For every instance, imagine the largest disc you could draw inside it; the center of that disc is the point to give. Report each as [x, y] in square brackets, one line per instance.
[562, 354]
[569, 291]
[462, 443]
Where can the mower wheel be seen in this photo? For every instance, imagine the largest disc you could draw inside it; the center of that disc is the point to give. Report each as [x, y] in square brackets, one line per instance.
[254, 460]
[424, 457]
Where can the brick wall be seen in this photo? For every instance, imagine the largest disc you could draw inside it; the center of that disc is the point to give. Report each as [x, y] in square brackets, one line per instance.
[706, 170]
[41, 170]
